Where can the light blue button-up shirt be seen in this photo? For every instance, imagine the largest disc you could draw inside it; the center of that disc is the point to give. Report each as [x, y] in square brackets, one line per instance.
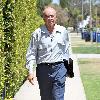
[47, 47]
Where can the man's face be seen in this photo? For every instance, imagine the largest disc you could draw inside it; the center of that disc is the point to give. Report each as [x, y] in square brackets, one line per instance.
[49, 17]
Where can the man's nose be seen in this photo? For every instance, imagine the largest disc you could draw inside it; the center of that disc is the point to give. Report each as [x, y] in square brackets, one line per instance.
[50, 17]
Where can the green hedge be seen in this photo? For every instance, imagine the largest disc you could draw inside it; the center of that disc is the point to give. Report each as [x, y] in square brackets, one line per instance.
[19, 20]
[2, 78]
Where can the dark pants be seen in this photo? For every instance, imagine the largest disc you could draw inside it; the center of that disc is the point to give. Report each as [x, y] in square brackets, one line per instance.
[51, 79]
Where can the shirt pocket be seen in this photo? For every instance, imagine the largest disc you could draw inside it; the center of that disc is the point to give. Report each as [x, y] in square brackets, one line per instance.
[43, 43]
[41, 46]
[60, 40]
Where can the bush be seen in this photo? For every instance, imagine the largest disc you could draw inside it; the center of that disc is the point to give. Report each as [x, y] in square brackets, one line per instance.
[2, 78]
[20, 19]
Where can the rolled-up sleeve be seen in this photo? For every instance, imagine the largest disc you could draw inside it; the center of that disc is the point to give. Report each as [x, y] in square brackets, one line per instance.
[31, 54]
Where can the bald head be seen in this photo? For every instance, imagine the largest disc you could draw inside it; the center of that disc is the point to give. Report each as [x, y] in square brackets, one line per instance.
[49, 10]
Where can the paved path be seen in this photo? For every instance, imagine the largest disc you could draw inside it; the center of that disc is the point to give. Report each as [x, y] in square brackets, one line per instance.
[74, 86]
[73, 91]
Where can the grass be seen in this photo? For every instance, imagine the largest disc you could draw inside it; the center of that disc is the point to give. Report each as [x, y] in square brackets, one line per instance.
[86, 50]
[80, 46]
[89, 68]
[90, 74]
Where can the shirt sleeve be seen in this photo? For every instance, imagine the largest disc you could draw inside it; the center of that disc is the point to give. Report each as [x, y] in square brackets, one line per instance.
[31, 54]
[68, 49]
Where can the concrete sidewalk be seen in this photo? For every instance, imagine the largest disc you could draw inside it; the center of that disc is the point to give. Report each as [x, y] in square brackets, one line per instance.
[73, 91]
[74, 87]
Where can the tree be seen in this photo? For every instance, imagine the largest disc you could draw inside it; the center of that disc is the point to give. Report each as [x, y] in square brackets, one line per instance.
[74, 9]
[62, 14]
[64, 3]
[41, 4]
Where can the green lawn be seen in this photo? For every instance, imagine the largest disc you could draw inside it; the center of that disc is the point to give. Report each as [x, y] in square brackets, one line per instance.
[80, 46]
[90, 74]
[86, 50]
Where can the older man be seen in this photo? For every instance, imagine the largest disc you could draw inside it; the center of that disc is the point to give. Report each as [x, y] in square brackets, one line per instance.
[48, 46]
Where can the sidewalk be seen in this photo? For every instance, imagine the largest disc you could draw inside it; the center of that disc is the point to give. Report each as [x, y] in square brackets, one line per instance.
[73, 90]
[74, 87]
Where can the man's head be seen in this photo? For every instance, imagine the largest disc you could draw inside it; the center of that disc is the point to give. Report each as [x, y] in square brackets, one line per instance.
[49, 16]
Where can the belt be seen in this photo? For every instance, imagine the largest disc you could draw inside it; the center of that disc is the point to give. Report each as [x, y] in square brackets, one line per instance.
[51, 64]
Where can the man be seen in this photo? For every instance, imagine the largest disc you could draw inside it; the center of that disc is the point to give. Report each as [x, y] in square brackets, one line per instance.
[48, 46]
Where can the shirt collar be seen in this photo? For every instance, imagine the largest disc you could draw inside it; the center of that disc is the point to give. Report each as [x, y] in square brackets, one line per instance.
[56, 29]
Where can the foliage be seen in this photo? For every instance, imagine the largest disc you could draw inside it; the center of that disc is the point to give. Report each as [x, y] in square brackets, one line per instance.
[9, 40]
[64, 3]
[20, 18]
[41, 4]
[79, 17]
[2, 78]
[74, 10]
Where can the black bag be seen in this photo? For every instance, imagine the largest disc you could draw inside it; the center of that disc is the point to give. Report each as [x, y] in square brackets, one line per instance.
[69, 67]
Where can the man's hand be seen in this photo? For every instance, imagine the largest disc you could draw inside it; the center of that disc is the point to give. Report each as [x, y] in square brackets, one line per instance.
[31, 78]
